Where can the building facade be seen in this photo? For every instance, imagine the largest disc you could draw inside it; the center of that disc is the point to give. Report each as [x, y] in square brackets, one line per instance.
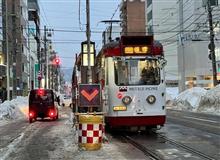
[133, 17]
[162, 22]
[15, 38]
[195, 68]
[34, 42]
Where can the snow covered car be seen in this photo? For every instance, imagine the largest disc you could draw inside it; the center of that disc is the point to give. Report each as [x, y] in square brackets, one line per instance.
[42, 103]
[67, 101]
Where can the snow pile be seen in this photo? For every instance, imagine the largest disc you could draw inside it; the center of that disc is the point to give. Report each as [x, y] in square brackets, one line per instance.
[210, 103]
[15, 109]
[171, 94]
[190, 99]
[198, 100]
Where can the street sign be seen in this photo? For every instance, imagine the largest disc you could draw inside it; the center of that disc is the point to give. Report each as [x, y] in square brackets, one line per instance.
[36, 71]
[89, 95]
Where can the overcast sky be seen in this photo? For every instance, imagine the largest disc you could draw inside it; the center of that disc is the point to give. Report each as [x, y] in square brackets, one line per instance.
[63, 17]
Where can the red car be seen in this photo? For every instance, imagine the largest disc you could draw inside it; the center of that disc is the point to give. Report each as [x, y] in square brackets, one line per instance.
[42, 103]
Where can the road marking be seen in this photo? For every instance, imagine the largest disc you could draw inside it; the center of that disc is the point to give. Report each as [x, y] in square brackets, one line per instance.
[201, 119]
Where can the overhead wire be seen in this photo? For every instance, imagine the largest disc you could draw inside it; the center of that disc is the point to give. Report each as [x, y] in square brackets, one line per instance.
[44, 17]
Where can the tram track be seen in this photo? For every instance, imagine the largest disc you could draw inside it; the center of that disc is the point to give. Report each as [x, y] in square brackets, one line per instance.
[148, 152]
[153, 154]
[187, 148]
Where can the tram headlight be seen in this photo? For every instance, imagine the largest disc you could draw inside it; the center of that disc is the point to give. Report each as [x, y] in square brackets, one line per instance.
[126, 100]
[151, 99]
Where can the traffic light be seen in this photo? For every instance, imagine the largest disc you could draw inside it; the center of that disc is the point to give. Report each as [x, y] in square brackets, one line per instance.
[56, 61]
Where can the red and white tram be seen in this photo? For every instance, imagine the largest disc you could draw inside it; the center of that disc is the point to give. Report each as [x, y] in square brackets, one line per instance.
[131, 71]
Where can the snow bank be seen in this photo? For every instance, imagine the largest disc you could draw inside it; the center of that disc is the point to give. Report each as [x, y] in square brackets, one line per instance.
[190, 99]
[171, 94]
[199, 100]
[210, 103]
[15, 109]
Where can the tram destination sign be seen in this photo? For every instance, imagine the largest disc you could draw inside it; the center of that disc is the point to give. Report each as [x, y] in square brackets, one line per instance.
[136, 45]
[89, 95]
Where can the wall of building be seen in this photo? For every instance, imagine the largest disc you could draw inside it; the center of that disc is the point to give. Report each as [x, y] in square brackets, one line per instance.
[133, 17]
[162, 22]
[193, 45]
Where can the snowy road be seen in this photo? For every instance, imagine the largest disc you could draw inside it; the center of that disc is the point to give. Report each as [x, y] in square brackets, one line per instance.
[201, 121]
[197, 130]
[55, 140]
[186, 135]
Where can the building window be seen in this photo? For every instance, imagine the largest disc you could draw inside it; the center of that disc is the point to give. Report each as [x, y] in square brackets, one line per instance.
[149, 2]
[149, 16]
[150, 30]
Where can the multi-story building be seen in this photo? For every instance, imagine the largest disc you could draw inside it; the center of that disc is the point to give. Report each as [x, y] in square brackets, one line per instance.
[182, 27]
[15, 23]
[162, 22]
[195, 68]
[133, 17]
[34, 42]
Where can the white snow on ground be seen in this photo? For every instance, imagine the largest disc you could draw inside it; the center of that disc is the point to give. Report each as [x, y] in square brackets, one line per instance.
[210, 103]
[190, 99]
[196, 99]
[15, 109]
[171, 94]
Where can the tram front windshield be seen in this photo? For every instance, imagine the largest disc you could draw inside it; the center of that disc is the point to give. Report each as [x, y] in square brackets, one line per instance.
[137, 72]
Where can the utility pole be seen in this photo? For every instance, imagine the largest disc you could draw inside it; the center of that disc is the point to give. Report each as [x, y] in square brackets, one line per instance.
[88, 33]
[212, 43]
[46, 58]
[181, 45]
[14, 62]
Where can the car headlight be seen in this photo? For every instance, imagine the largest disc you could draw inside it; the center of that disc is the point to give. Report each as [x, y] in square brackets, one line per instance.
[126, 100]
[151, 99]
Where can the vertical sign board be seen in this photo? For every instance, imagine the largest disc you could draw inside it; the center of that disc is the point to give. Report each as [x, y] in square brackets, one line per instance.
[89, 95]
[36, 71]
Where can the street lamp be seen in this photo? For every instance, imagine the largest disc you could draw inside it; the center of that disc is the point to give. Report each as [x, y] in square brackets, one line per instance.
[85, 59]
